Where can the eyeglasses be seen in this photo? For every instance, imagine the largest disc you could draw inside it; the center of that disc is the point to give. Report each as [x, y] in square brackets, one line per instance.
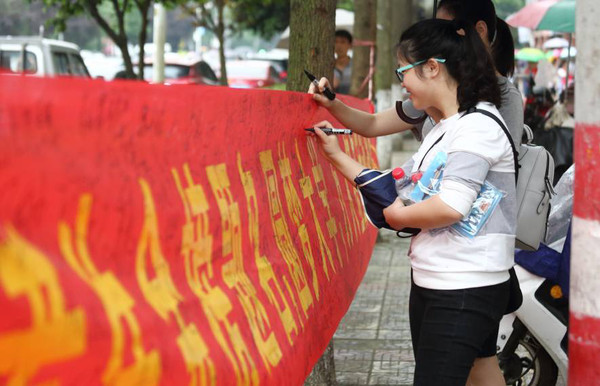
[401, 70]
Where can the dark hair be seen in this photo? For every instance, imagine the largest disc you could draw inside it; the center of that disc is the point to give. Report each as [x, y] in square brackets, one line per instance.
[499, 36]
[471, 11]
[342, 33]
[467, 60]
[503, 49]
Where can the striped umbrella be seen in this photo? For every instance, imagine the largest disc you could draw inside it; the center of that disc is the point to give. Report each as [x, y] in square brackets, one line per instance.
[552, 15]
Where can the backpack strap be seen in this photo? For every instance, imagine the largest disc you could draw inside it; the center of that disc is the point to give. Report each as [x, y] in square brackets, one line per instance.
[499, 122]
[428, 150]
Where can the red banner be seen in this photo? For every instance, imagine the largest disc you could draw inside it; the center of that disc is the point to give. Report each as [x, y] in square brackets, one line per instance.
[170, 234]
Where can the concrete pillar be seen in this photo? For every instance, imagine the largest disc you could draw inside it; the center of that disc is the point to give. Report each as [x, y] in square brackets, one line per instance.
[159, 34]
[584, 336]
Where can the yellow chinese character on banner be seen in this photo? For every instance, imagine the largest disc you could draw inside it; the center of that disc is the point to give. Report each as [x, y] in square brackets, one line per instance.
[295, 212]
[55, 334]
[117, 302]
[307, 187]
[269, 282]
[155, 281]
[234, 272]
[283, 239]
[197, 250]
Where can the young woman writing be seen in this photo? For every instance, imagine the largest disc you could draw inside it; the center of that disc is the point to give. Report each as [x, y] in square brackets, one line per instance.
[459, 285]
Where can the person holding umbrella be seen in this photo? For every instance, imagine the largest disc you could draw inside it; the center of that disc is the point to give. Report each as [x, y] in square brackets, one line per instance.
[460, 285]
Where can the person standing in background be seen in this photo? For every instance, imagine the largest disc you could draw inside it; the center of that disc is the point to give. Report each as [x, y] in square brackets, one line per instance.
[343, 63]
[496, 37]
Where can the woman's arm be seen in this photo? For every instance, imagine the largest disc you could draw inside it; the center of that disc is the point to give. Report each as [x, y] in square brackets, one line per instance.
[363, 123]
[346, 165]
[428, 214]
[331, 150]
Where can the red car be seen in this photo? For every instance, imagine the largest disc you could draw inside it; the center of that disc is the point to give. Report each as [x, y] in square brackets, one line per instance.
[180, 69]
[252, 74]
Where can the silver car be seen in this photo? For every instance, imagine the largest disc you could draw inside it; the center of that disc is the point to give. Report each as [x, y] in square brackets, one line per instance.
[38, 56]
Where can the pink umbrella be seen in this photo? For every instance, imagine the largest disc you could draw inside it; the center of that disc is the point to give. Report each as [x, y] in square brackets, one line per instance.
[553, 15]
[531, 15]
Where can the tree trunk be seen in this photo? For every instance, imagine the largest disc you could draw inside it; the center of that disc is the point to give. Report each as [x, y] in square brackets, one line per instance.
[365, 27]
[119, 38]
[324, 371]
[143, 7]
[221, 37]
[312, 30]
[312, 37]
[122, 44]
[385, 46]
[383, 75]
[403, 16]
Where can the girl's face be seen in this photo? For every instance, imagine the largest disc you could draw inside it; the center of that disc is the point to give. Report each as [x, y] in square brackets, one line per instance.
[415, 84]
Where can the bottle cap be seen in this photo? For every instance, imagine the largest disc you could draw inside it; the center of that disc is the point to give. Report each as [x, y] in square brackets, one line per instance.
[416, 177]
[398, 173]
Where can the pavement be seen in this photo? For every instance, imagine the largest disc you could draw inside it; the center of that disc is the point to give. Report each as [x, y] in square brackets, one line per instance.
[372, 344]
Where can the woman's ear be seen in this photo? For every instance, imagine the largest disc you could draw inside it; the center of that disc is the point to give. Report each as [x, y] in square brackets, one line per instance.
[482, 31]
[432, 67]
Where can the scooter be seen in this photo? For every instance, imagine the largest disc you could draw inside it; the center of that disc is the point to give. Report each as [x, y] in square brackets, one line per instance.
[532, 341]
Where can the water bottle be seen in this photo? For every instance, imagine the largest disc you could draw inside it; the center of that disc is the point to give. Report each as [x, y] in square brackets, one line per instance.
[405, 184]
[407, 193]
[401, 179]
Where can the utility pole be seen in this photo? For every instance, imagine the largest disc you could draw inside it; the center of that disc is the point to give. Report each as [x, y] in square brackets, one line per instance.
[584, 335]
[159, 35]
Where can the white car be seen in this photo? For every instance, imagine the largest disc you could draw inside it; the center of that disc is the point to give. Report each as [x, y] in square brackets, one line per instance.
[42, 57]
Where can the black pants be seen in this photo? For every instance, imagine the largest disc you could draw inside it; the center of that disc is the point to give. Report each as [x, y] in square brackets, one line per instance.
[451, 328]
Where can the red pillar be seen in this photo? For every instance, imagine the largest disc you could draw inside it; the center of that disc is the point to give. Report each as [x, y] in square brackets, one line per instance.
[584, 336]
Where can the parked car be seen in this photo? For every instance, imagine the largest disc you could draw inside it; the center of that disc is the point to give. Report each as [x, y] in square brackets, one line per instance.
[252, 74]
[38, 56]
[179, 69]
[280, 66]
[278, 58]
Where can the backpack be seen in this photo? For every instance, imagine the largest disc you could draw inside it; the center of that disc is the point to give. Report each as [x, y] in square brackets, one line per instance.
[534, 174]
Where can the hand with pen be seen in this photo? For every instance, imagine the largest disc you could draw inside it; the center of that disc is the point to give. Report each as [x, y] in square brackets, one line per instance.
[328, 143]
[321, 90]
[330, 148]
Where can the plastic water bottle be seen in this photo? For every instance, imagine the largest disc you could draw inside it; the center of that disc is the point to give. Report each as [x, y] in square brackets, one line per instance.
[405, 184]
[401, 179]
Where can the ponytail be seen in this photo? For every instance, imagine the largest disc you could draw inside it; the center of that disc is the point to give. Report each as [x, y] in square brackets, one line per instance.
[498, 32]
[503, 49]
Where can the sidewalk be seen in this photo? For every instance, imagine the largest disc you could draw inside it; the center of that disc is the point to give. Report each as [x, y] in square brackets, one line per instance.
[372, 344]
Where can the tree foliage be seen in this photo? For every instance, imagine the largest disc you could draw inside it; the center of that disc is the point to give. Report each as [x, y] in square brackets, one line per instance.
[346, 4]
[265, 17]
[110, 15]
[20, 18]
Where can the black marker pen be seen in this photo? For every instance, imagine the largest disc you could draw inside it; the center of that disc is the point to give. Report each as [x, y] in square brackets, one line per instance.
[327, 92]
[329, 131]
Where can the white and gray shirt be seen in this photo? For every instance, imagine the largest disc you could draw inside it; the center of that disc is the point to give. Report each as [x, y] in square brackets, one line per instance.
[478, 150]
